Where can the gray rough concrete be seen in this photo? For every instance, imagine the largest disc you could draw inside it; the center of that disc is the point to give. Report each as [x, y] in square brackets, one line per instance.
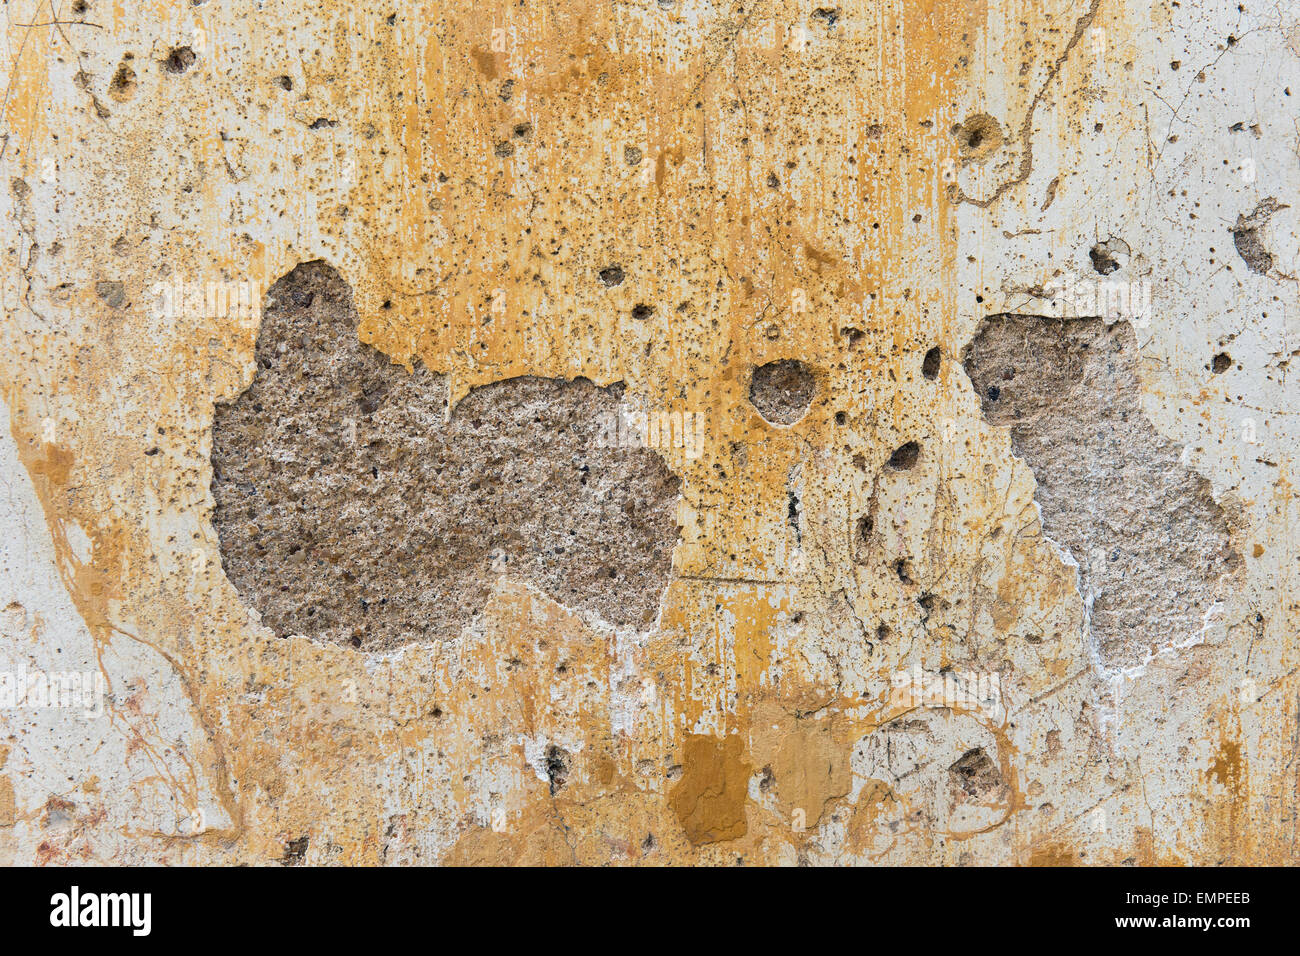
[353, 506]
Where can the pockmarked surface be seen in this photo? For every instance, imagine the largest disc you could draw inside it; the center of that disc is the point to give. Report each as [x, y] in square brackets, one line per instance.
[669, 432]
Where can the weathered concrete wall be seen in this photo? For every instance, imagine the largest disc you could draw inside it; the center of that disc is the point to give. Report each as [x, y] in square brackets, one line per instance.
[852, 434]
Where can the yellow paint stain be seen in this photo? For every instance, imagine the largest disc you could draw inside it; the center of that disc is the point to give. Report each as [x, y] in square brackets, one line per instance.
[709, 799]
[1226, 767]
[1054, 854]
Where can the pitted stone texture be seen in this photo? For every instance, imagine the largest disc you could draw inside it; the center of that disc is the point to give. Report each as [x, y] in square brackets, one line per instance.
[351, 509]
[1153, 547]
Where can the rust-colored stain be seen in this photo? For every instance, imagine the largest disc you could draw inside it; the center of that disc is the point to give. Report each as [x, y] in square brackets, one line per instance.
[1226, 768]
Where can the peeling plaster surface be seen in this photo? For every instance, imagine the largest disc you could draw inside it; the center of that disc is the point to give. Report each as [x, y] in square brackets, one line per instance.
[868, 646]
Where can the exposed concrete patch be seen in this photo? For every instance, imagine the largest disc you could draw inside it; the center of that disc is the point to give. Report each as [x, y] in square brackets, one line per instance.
[1153, 547]
[976, 775]
[1246, 236]
[112, 292]
[352, 509]
[782, 391]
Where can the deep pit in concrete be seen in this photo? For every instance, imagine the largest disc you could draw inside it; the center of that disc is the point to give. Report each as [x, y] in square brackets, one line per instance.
[781, 391]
